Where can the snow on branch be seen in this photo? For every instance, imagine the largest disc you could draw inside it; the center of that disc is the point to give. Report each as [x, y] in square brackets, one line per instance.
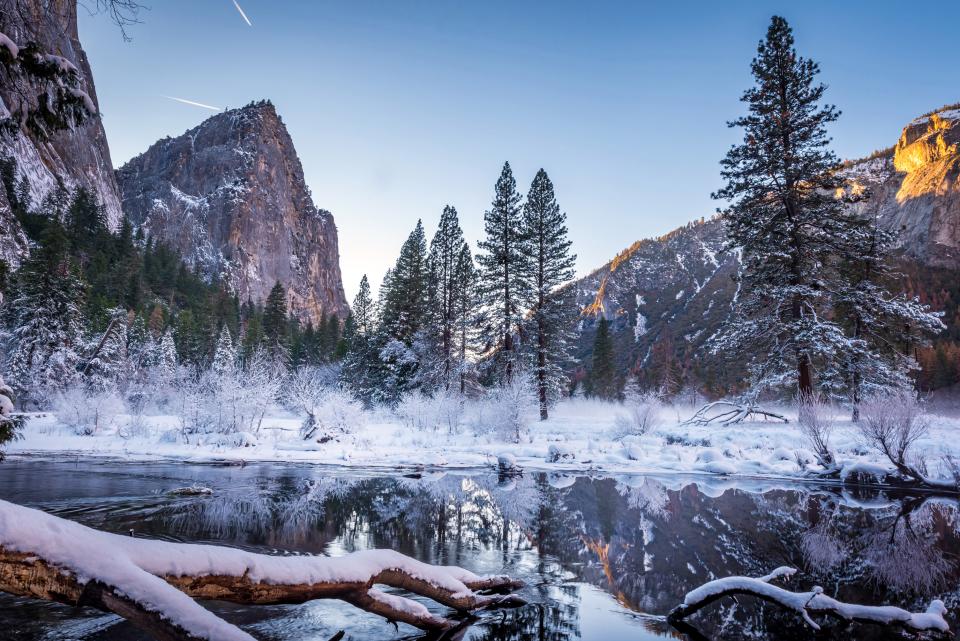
[729, 413]
[153, 583]
[807, 604]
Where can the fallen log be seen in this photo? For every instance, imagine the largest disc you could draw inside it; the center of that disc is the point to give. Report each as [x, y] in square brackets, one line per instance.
[730, 413]
[153, 584]
[809, 603]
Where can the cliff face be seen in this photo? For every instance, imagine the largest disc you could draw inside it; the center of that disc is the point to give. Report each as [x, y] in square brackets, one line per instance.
[230, 196]
[71, 157]
[916, 188]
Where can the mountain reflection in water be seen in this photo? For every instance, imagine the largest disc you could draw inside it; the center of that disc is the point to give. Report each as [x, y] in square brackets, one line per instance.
[601, 557]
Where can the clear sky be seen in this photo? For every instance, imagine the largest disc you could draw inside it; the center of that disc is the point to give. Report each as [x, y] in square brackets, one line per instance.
[399, 107]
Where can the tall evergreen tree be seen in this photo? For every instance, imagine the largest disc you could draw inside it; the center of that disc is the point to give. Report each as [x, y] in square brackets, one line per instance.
[44, 318]
[445, 250]
[780, 183]
[603, 373]
[503, 269]
[883, 328]
[364, 315]
[225, 355]
[552, 311]
[465, 313]
[276, 330]
[167, 359]
[405, 292]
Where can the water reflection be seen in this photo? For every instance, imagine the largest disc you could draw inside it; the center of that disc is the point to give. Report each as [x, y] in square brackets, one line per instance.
[599, 555]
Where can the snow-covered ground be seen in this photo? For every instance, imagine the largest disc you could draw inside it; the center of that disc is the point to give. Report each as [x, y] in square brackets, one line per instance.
[581, 435]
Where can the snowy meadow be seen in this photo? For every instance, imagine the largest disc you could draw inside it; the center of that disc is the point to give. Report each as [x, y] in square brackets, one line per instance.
[326, 425]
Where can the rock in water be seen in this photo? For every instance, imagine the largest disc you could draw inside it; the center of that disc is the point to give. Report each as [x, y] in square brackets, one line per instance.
[230, 196]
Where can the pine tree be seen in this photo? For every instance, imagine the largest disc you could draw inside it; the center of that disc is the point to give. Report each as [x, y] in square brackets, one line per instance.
[603, 374]
[275, 326]
[552, 311]
[465, 313]
[108, 361]
[167, 359]
[331, 336]
[445, 250]
[503, 267]
[784, 216]
[404, 292]
[363, 311]
[45, 319]
[224, 356]
[10, 424]
[883, 328]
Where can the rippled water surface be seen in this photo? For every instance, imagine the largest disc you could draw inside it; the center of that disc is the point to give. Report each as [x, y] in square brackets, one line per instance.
[601, 557]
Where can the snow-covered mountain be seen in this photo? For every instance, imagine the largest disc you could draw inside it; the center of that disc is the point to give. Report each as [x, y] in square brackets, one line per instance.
[71, 157]
[230, 196]
[666, 296]
[915, 187]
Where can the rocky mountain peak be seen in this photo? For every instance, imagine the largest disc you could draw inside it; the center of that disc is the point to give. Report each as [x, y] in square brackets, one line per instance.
[230, 196]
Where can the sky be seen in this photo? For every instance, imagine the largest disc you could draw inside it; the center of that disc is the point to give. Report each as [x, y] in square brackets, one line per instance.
[397, 108]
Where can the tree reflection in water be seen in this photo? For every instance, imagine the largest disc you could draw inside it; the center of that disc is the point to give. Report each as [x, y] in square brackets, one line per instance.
[646, 541]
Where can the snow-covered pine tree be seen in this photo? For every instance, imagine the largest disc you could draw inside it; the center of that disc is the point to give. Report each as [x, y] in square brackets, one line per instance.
[783, 215]
[465, 314]
[445, 250]
[224, 354]
[405, 291]
[603, 374]
[552, 311]
[10, 424]
[503, 269]
[107, 363]
[884, 328]
[167, 359]
[276, 328]
[45, 320]
[361, 364]
[404, 311]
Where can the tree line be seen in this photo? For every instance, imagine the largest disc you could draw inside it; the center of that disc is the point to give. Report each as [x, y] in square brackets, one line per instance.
[444, 321]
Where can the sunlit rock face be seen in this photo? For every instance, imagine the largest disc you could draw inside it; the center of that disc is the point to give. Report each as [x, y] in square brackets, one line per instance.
[230, 196]
[71, 158]
[915, 189]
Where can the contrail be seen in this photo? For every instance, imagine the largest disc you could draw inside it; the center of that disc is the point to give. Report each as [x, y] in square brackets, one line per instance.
[195, 104]
[242, 14]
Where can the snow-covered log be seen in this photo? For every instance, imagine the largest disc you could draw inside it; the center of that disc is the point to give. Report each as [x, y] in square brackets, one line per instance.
[808, 604]
[729, 412]
[153, 583]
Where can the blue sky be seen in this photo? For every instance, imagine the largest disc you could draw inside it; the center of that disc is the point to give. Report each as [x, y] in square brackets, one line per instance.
[399, 107]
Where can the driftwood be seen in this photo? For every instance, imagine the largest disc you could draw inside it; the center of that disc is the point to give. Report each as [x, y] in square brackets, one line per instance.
[729, 413]
[45, 557]
[806, 604]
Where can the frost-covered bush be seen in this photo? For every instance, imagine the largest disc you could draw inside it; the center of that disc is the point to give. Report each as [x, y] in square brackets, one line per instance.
[642, 413]
[335, 413]
[441, 411]
[892, 424]
[504, 411]
[87, 411]
[817, 418]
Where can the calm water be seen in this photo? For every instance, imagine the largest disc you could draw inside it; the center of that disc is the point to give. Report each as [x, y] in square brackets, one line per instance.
[601, 557]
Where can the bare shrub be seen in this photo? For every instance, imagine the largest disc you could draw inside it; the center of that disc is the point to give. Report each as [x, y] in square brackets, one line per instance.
[817, 419]
[892, 424]
[642, 414]
[86, 411]
[505, 411]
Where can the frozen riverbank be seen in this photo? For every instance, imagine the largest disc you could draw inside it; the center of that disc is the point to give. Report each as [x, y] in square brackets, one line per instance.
[580, 436]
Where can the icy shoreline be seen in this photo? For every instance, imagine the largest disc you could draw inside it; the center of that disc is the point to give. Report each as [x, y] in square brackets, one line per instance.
[579, 438]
